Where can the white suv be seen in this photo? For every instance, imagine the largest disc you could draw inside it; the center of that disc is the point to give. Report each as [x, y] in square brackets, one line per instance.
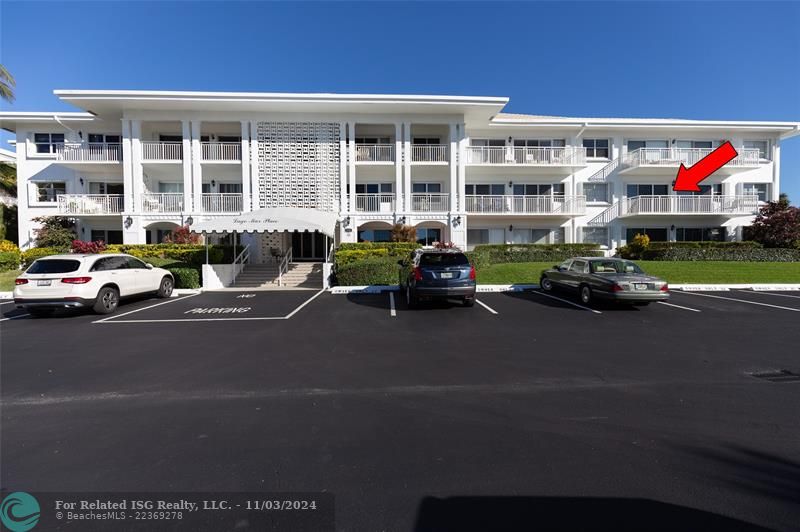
[97, 281]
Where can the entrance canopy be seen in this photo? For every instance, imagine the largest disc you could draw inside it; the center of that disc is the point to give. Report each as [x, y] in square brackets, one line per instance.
[272, 219]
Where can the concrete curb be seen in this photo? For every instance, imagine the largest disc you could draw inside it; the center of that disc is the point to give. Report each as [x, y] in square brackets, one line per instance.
[726, 287]
[488, 288]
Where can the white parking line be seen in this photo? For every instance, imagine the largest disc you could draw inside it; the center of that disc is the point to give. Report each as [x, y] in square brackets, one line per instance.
[566, 301]
[392, 310]
[7, 302]
[14, 317]
[487, 307]
[678, 306]
[303, 304]
[172, 300]
[743, 301]
[767, 293]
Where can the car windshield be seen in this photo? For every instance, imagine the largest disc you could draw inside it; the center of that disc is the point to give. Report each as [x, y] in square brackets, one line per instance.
[54, 266]
[615, 266]
[443, 259]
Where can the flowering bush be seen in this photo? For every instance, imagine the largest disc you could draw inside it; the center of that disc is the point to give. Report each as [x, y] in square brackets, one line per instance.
[182, 235]
[7, 246]
[444, 245]
[79, 246]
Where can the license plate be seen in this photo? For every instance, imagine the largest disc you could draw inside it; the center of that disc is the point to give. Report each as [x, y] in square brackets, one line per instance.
[43, 282]
[640, 286]
[446, 275]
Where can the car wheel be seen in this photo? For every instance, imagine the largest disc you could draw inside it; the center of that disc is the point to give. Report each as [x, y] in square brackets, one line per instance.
[41, 312]
[107, 300]
[411, 298]
[165, 290]
[586, 294]
[546, 284]
[469, 301]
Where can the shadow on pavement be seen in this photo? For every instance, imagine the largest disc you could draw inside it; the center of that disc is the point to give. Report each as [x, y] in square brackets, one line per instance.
[562, 514]
[538, 297]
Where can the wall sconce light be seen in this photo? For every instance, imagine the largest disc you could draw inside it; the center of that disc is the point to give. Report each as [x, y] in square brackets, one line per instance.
[81, 180]
[401, 220]
[346, 221]
[83, 230]
[456, 221]
[510, 228]
[189, 220]
[509, 140]
[213, 183]
[510, 183]
[128, 222]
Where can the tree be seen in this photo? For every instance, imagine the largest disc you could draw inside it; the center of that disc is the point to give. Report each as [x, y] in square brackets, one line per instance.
[182, 235]
[7, 85]
[777, 225]
[403, 233]
[55, 232]
[8, 179]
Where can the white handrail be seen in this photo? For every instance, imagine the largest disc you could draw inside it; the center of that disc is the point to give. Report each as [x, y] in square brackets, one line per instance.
[429, 153]
[89, 151]
[694, 204]
[685, 156]
[162, 151]
[374, 153]
[90, 203]
[284, 266]
[242, 258]
[221, 151]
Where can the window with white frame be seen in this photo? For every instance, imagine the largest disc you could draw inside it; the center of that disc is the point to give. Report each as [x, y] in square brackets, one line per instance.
[100, 187]
[761, 145]
[109, 236]
[48, 191]
[426, 140]
[595, 235]
[700, 234]
[757, 189]
[170, 188]
[540, 143]
[99, 138]
[534, 189]
[596, 192]
[47, 142]
[426, 188]
[374, 188]
[485, 190]
[694, 144]
[485, 236]
[537, 236]
[634, 190]
[597, 148]
[373, 140]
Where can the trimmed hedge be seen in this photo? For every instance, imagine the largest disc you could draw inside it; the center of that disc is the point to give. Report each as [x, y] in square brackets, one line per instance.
[723, 253]
[399, 247]
[371, 270]
[37, 253]
[9, 260]
[351, 252]
[194, 254]
[486, 254]
[186, 275]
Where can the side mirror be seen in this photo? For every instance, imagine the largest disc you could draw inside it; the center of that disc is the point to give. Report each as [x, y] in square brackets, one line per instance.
[149, 266]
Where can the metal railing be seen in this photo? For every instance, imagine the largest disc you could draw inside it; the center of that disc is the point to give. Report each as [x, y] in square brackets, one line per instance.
[221, 202]
[89, 151]
[221, 151]
[162, 151]
[430, 202]
[429, 153]
[507, 204]
[90, 203]
[241, 259]
[283, 267]
[374, 153]
[162, 202]
[517, 155]
[697, 204]
[686, 156]
[375, 202]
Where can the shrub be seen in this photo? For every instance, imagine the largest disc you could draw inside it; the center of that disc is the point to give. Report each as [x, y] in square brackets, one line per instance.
[7, 245]
[404, 233]
[9, 260]
[393, 247]
[194, 254]
[182, 235]
[185, 277]
[349, 256]
[635, 248]
[486, 254]
[731, 252]
[369, 271]
[55, 232]
[777, 225]
[37, 253]
[79, 246]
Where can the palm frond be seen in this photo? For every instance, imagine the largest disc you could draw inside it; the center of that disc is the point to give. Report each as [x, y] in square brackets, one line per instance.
[7, 84]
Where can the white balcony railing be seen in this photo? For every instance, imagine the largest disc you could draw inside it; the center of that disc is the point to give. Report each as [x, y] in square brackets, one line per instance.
[162, 202]
[221, 151]
[374, 153]
[686, 156]
[430, 202]
[90, 203]
[567, 205]
[429, 153]
[696, 204]
[88, 152]
[162, 151]
[375, 202]
[222, 202]
[560, 156]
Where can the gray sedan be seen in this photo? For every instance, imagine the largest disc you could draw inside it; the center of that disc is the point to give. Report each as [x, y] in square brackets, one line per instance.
[611, 279]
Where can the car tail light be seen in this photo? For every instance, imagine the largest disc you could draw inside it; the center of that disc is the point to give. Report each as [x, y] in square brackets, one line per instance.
[618, 288]
[76, 280]
[417, 273]
[472, 272]
[20, 281]
[664, 287]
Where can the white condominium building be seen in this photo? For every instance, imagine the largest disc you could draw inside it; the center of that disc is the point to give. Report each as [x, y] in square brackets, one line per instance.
[293, 171]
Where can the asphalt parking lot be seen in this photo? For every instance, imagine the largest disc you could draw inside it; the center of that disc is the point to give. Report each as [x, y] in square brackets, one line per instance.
[526, 405]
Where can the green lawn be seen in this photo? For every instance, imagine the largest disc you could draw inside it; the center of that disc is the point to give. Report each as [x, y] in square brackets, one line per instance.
[7, 280]
[703, 272]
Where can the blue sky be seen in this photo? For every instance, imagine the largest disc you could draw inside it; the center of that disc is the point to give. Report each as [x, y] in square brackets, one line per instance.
[716, 60]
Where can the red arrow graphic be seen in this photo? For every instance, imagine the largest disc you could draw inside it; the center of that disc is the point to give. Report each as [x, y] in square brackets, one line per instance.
[688, 179]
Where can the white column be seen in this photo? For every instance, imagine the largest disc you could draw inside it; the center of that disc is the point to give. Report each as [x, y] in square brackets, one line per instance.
[462, 168]
[351, 150]
[254, 175]
[187, 166]
[197, 167]
[453, 146]
[398, 167]
[246, 192]
[127, 167]
[137, 182]
[407, 168]
[776, 169]
[343, 205]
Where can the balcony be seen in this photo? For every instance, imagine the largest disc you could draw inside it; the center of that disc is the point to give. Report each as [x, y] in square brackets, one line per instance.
[537, 205]
[221, 152]
[430, 202]
[375, 203]
[159, 152]
[564, 157]
[221, 202]
[162, 202]
[656, 161]
[690, 205]
[90, 204]
[88, 152]
[375, 153]
[429, 153]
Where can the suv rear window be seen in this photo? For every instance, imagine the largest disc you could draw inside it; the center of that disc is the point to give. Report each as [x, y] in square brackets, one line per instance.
[54, 266]
[443, 259]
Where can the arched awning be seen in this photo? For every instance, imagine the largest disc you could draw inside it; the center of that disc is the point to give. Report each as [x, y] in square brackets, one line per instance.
[272, 219]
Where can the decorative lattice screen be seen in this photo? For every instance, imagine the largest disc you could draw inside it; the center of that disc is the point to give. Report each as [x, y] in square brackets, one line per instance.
[298, 165]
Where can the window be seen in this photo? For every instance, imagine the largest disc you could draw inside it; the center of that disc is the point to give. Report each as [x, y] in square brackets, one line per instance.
[757, 189]
[229, 138]
[427, 236]
[537, 236]
[485, 236]
[638, 144]
[700, 234]
[487, 142]
[529, 189]
[48, 192]
[595, 235]
[647, 190]
[596, 148]
[374, 188]
[99, 138]
[230, 188]
[614, 266]
[596, 192]
[705, 190]
[375, 235]
[54, 266]
[373, 140]
[47, 142]
[134, 263]
[760, 145]
[539, 143]
[110, 263]
[694, 144]
[170, 188]
[170, 138]
[443, 259]
[426, 188]
[107, 236]
[97, 187]
[578, 266]
[658, 234]
[485, 190]
[426, 140]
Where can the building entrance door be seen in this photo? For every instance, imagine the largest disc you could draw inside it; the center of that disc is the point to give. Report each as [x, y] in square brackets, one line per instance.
[308, 246]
